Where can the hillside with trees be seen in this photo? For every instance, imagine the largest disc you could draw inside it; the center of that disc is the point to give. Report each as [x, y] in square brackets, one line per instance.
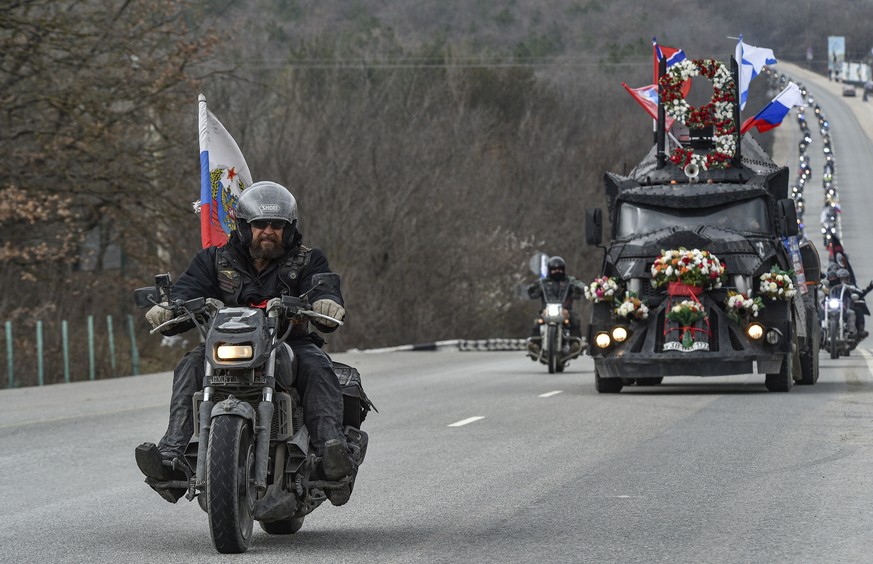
[433, 145]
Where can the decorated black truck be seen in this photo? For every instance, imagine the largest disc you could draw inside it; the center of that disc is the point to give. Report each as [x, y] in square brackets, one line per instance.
[705, 270]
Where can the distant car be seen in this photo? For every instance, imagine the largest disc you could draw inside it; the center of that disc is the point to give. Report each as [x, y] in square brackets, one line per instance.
[848, 90]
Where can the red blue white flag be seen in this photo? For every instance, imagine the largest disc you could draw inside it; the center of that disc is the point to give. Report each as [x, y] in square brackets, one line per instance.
[774, 112]
[672, 56]
[647, 97]
[224, 174]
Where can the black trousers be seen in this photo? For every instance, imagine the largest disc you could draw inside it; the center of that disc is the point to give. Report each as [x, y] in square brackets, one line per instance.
[316, 382]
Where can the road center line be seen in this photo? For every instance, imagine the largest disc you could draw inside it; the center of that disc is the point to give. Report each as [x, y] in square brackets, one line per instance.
[550, 394]
[463, 422]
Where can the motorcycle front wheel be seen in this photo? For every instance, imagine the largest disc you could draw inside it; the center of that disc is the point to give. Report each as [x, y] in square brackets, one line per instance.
[230, 465]
[554, 350]
[834, 345]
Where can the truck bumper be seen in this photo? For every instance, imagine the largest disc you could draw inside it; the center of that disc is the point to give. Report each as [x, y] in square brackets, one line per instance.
[687, 364]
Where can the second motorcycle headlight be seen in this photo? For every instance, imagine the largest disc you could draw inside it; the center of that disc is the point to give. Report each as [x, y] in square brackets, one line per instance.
[234, 352]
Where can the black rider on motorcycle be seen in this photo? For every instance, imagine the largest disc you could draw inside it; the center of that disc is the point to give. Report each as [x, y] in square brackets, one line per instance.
[263, 260]
[856, 308]
[555, 284]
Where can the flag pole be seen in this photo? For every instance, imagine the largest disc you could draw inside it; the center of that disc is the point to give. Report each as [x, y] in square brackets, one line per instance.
[735, 71]
[662, 116]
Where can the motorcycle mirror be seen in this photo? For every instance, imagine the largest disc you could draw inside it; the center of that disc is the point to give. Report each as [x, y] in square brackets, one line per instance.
[328, 281]
[594, 226]
[537, 264]
[145, 298]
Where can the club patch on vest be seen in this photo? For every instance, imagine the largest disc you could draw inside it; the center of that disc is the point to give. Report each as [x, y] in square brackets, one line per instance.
[228, 280]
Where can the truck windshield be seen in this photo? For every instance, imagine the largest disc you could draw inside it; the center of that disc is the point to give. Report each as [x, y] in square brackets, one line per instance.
[750, 215]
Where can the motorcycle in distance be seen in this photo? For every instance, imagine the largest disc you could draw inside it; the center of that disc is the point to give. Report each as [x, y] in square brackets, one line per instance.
[250, 453]
[556, 346]
[837, 338]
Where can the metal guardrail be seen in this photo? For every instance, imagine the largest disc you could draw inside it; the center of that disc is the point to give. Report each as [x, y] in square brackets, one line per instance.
[482, 345]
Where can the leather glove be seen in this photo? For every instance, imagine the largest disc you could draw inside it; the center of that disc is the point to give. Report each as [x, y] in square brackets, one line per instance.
[158, 315]
[214, 303]
[329, 308]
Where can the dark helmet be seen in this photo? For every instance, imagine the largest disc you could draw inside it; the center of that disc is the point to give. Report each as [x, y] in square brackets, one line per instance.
[557, 268]
[266, 200]
[843, 273]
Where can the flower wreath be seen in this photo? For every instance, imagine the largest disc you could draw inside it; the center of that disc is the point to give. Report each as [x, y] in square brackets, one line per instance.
[690, 267]
[719, 112]
[603, 289]
[778, 284]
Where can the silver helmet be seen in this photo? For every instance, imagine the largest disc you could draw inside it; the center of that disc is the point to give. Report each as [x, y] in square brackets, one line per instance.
[266, 201]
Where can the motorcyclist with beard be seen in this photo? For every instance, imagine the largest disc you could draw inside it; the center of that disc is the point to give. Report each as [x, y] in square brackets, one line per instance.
[555, 284]
[263, 260]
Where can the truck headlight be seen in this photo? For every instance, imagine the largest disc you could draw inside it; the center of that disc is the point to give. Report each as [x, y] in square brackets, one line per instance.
[755, 331]
[234, 352]
[602, 340]
[619, 334]
[773, 336]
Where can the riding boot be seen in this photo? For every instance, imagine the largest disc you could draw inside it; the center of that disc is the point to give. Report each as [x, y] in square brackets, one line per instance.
[322, 400]
[187, 380]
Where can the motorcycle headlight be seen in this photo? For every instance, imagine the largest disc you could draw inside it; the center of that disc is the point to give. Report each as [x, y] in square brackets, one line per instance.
[234, 352]
[553, 310]
[834, 303]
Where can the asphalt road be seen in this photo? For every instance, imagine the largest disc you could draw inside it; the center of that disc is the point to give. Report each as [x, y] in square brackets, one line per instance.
[694, 470]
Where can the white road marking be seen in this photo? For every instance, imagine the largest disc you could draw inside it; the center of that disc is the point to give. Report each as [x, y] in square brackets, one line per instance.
[868, 358]
[466, 421]
[549, 394]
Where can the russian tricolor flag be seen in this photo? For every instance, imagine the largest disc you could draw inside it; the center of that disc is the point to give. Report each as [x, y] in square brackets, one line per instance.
[774, 112]
[224, 174]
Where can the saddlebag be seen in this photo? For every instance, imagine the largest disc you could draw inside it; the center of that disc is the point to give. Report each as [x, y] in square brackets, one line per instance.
[356, 404]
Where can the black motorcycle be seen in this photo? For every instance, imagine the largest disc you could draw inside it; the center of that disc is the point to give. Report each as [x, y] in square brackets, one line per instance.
[250, 458]
[555, 346]
[839, 338]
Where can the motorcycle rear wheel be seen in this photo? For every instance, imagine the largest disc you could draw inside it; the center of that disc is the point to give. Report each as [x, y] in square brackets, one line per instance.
[230, 465]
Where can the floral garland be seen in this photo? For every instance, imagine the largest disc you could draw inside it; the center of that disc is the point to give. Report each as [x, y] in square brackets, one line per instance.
[632, 307]
[719, 112]
[739, 307]
[603, 289]
[693, 268]
[778, 284]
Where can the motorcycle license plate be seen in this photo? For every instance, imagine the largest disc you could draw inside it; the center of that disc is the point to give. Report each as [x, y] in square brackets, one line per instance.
[231, 379]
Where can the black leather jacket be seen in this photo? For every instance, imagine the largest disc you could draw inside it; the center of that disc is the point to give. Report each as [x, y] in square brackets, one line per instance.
[228, 274]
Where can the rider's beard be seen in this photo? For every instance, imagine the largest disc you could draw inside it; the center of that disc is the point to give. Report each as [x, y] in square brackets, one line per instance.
[267, 247]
